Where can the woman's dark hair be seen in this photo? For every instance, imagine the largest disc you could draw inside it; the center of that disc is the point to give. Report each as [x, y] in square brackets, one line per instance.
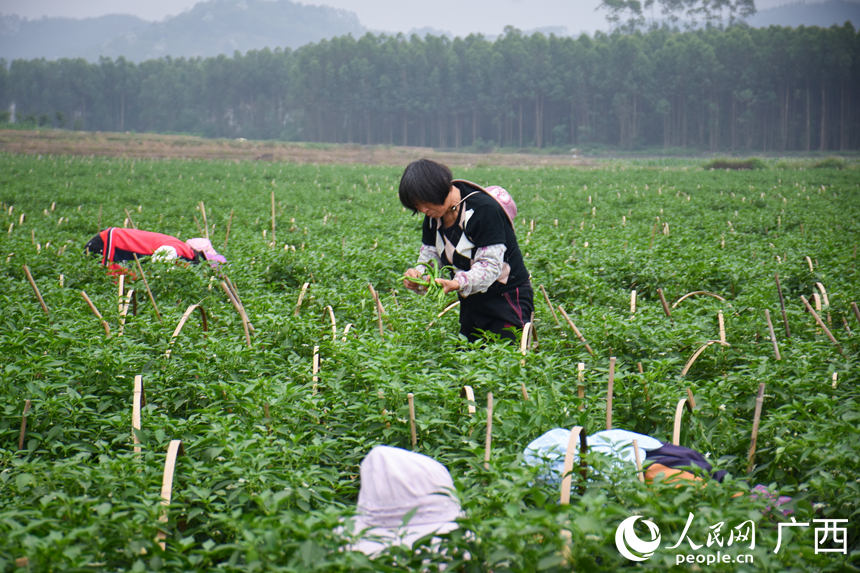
[424, 181]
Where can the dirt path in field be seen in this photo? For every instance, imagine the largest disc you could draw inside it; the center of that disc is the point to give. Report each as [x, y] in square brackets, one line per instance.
[151, 146]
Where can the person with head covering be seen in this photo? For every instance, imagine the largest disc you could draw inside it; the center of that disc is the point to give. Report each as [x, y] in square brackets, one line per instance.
[404, 496]
[118, 244]
[469, 228]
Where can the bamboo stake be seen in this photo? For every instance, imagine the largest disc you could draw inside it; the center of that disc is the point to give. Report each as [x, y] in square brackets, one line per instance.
[315, 369]
[146, 284]
[663, 302]
[182, 322]
[97, 313]
[138, 401]
[120, 292]
[235, 292]
[638, 457]
[442, 313]
[130, 220]
[23, 432]
[690, 404]
[782, 306]
[632, 302]
[173, 450]
[333, 323]
[410, 398]
[379, 309]
[856, 311]
[756, 419]
[36, 290]
[577, 434]
[229, 224]
[722, 323]
[697, 353]
[301, 298]
[241, 310]
[549, 304]
[123, 308]
[489, 440]
[772, 334]
[609, 392]
[469, 395]
[575, 330]
[698, 292]
[206, 223]
[822, 325]
[580, 388]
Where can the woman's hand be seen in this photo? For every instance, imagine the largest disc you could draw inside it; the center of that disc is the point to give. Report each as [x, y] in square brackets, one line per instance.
[448, 285]
[415, 274]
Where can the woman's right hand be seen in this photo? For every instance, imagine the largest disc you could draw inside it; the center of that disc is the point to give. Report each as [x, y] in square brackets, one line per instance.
[416, 274]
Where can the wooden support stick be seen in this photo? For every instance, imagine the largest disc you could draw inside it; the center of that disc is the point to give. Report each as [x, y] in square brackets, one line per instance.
[663, 302]
[609, 392]
[146, 284]
[410, 398]
[23, 432]
[782, 306]
[722, 324]
[333, 323]
[697, 292]
[577, 434]
[36, 290]
[756, 419]
[235, 292]
[241, 310]
[697, 353]
[206, 223]
[469, 395]
[120, 292]
[687, 402]
[130, 220]
[575, 330]
[182, 322]
[822, 325]
[229, 224]
[549, 304]
[489, 439]
[856, 311]
[301, 298]
[772, 334]
[444, 311]
[173, 450]
[632, 302]
[125, 302]
[379, 309]
[638, 458]
[580, 388]
[138, 401]
[97, 313]
[315, 369]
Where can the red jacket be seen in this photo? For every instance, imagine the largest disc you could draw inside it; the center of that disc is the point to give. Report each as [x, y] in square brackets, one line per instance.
[121, 244]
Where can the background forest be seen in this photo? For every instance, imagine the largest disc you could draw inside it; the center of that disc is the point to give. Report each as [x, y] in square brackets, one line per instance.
[734, 89]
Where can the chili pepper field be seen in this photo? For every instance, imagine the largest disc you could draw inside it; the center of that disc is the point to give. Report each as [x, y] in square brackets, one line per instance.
[689, 289]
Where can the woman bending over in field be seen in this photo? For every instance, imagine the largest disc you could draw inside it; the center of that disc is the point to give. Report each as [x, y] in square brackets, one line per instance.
[466, 228]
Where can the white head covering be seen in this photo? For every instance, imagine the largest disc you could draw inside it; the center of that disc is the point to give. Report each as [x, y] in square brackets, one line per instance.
[397, 484]
[548, 450]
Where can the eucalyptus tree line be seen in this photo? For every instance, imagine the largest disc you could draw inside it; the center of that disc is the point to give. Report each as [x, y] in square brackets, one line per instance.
[739, 88]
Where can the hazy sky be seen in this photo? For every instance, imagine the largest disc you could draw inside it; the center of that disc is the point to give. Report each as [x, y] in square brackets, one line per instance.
[459, 17]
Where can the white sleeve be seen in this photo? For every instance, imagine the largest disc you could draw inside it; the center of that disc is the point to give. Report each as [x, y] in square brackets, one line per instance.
[488, 266]
[427, 254]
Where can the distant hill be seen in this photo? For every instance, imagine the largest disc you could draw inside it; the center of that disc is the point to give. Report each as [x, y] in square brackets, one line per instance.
[208, 29]
[823, 14]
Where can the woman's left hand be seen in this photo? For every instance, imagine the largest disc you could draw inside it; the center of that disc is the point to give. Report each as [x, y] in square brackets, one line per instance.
[448, 285]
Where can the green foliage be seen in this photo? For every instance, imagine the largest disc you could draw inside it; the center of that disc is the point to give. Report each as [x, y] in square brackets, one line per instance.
[272, 450]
